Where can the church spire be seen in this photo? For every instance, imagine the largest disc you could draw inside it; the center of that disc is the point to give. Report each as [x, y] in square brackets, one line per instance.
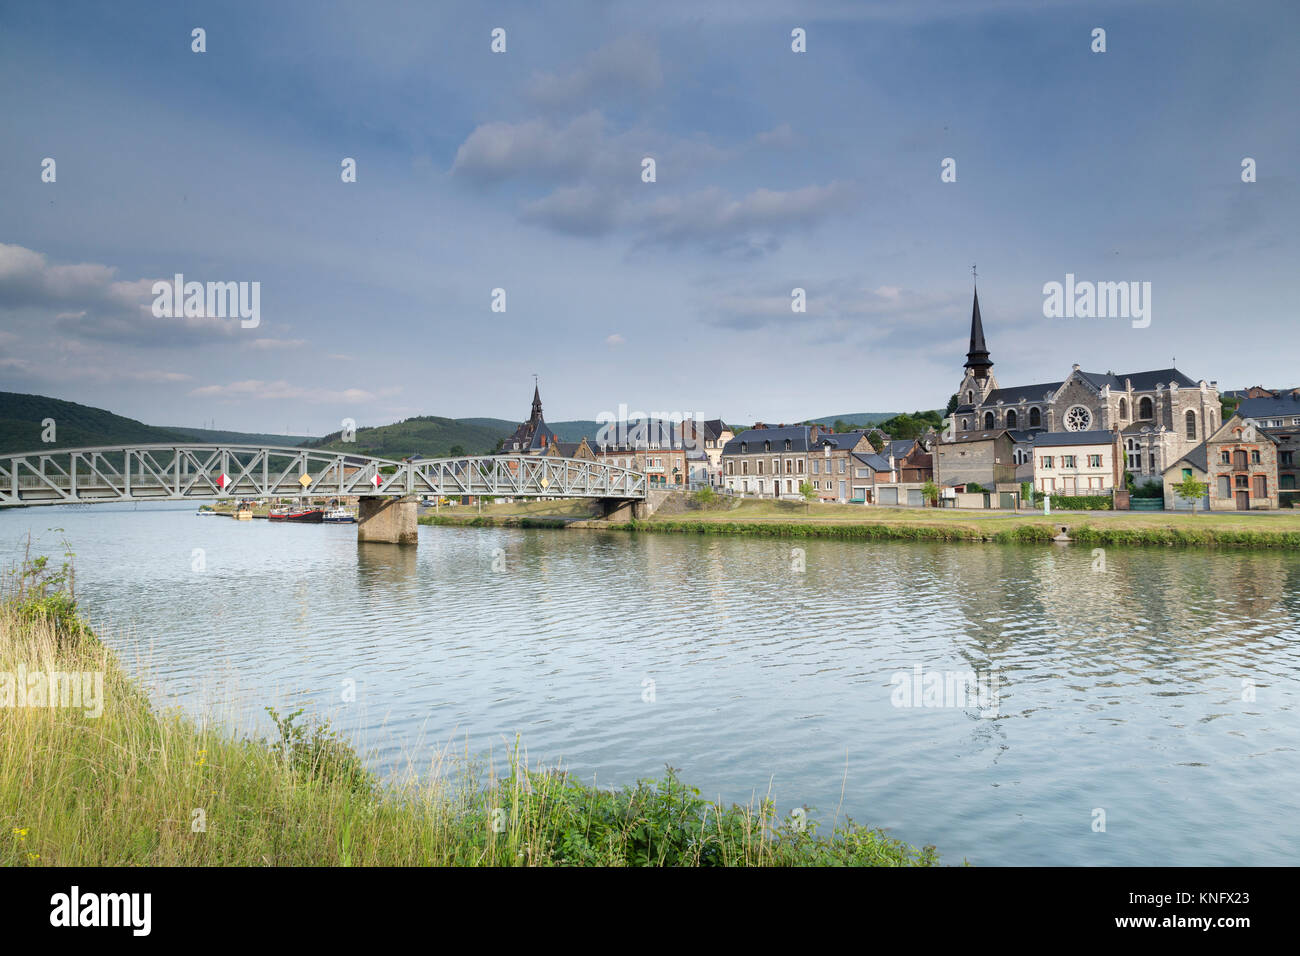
[537, 403]
[977, 358]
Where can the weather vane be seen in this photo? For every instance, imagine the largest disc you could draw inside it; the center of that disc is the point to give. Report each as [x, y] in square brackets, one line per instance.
[974, 274]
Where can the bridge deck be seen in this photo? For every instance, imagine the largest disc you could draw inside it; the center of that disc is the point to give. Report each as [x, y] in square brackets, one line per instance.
[205, 471]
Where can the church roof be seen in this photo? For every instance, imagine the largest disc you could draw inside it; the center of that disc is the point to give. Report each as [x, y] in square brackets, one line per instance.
[977, 356]
[1030, 393]
[1141, 381]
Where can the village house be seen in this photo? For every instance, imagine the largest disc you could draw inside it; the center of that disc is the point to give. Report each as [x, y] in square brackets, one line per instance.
[1191, 465]
[776, 461]
[1241, 461]
[1277, 413]
[1078, 463]
[709, 438]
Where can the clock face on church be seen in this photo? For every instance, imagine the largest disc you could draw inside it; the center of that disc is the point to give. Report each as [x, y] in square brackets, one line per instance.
[1077, 419]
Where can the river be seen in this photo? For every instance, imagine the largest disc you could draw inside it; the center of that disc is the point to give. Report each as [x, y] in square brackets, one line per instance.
[1139, 706]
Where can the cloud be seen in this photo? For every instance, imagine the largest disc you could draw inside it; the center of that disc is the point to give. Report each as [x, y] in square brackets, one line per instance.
[262, 344]
[625, 65]
[779, 136]
[615, 340]
[105, 308]
[754, 223]
[257, 390]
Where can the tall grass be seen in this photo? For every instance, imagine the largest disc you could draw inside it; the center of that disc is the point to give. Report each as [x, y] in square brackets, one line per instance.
[137, 787]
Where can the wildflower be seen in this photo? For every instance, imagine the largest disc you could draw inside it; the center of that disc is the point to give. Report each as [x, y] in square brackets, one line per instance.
[33, 857]
[21, 833]
[203, 758]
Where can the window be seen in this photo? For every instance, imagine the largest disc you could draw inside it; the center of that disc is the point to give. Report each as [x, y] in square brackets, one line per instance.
[1239, 459]
[744, 447]
[744, 470]
[843, 465]
[1261, 486]
[1191, 425]
[1254, 457]
[799, 467]
[970, 398]
[776, 466]
[1035, 418]
[860, 473]
[1275, 423]
[1067, 461]
[1011, 419]
[1145, 410]
[816, 467]
[1123, 410]
[1225, 457]
[1287, 481]
[767, 446]
[1094, 461]
[1187, 474]
[787, 444]
[1285, 457]
[730, 468]
[965, 424]
[988, 419]
[1242, 481]
[1134, 457]
[789, 465]
[759, 469]
[1047, 461]
[1151, 459]
[1225, 490]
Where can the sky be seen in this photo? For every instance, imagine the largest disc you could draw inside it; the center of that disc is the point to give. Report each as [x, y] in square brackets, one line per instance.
[522, 171]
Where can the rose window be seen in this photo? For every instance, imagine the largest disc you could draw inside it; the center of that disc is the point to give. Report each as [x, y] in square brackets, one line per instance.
[1077, 419]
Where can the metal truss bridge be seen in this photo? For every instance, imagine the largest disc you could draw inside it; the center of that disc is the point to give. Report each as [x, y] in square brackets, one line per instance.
[204, 471]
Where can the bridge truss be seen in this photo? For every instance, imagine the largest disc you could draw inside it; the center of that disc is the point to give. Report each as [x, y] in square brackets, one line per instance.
[205, 471]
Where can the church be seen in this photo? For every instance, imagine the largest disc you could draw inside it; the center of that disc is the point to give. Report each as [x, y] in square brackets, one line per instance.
[1161, 414]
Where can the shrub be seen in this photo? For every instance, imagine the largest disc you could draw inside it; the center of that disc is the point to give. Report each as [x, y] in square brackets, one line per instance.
[1082, 502]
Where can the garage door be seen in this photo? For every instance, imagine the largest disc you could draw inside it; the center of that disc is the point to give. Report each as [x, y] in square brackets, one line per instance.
[889, 496]
[914, 499]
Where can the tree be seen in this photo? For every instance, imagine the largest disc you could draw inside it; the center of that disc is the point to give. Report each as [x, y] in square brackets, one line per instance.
[457, 451]
[952, 405]
[930, 492]
[1191, 490]
[809, 495]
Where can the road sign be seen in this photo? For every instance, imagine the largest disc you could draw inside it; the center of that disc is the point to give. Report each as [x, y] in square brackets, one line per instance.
[305, 480]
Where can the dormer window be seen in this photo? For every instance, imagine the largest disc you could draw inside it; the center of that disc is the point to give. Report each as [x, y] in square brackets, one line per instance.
[767, 446]
[744, 447]
[787, 444]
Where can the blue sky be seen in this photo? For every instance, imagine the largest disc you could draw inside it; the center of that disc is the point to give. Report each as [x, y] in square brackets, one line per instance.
[522, 171]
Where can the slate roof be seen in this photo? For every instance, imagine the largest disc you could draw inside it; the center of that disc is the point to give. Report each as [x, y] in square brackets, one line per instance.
[900, 448]
[1196, 458]
[754, 438]
[1263, 408]
[874, 461]
[1030, 393]
[1052, 439]
[1141, 381]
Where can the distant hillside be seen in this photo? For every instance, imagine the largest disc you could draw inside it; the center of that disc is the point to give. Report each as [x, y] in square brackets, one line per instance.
[250, 438]
[425, 435]
[568, 431]
[856, 418]
[77, 426]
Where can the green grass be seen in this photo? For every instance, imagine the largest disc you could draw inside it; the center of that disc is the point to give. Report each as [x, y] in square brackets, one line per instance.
[129, 787]
[792, 519]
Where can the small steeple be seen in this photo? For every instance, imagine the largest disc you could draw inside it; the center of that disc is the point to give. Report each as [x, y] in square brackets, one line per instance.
[977, 358]
[537, 402]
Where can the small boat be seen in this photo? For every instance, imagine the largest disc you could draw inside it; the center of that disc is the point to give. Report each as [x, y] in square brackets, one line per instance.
[277, 514]
[302, 515]
[340, 516]
[204, 512]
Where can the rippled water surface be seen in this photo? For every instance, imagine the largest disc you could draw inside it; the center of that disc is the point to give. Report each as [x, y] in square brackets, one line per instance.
[1162, 690]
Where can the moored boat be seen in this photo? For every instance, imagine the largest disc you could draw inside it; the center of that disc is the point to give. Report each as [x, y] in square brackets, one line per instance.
[340, 516]
[307, 515]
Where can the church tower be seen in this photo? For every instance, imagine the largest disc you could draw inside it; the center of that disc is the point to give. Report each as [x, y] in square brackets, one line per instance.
[978, 380]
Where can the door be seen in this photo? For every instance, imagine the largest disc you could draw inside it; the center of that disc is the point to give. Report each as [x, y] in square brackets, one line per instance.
[1243, 501]
[889, 496]
[914, 498]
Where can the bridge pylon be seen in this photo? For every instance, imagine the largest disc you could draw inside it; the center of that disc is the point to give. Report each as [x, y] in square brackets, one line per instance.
[388, 520]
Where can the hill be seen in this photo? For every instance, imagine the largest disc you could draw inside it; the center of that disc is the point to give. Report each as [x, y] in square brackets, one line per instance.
[856, 418]
[79, 426]
[568, 431]
[425, 435]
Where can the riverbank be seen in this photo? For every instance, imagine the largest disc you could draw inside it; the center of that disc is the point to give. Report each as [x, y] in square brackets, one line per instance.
[129, 786]
[787, 519]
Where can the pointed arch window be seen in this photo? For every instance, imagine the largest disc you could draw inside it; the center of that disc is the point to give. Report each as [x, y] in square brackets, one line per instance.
[1123, 409]
[1145, 410]
[1011, 419]
[1191, 425]
[1035, 418]
[988, 419]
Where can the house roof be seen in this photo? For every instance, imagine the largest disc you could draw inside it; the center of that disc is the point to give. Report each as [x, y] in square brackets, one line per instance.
[1263, 408]
[1096, 437]
[1197, 458]
[875, 461]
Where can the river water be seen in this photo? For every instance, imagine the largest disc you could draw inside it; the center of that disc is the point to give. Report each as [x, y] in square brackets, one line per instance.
[1135, 707]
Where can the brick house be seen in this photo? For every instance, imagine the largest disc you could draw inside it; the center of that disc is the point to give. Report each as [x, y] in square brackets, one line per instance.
[1241, 462]
[1278, 414]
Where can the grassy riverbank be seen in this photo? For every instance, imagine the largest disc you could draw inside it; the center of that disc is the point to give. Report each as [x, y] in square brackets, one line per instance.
[787, 519]
[132, 786]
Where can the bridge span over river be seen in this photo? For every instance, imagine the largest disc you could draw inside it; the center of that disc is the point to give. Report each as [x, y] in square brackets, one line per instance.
[388, 490]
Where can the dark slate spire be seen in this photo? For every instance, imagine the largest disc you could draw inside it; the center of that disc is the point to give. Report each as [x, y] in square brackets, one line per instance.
[977, 358]
[537, 405]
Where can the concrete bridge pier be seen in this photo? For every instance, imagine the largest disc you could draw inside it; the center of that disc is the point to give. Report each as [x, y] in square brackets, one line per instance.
[387, 520]
[622, 509]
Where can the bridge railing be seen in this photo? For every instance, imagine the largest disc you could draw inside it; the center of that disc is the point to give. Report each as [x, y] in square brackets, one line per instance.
[171, 472]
